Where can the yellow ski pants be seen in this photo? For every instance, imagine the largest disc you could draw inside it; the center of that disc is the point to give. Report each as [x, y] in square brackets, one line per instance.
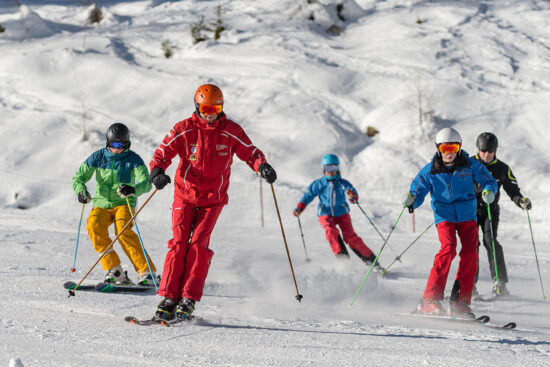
[98, 229]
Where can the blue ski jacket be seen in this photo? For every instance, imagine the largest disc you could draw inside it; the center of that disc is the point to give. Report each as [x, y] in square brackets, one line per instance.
[452, 189]
[332, 196]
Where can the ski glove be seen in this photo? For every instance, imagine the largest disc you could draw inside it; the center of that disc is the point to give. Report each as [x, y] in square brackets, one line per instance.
[408, 199]
[523, 203]
[84, 197]
[487, 196]
[352, 196]
[159, 178]
[299, 209]
[125, 191]
[267, 172]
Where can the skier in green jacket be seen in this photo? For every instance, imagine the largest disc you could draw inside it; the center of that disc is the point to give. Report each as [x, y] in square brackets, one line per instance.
[120, 174]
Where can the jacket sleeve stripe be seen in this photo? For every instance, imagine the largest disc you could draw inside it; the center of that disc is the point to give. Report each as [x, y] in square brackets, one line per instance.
[240, 141]
[175, 137]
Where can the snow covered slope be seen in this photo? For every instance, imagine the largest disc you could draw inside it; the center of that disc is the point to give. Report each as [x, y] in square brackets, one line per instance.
[300, 93]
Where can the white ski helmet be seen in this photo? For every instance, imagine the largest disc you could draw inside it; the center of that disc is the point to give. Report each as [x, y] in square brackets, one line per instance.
[447, 135]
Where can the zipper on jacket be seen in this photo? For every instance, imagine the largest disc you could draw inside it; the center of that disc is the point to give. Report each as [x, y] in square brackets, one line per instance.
[112, 177]
[448, 183]
[331, 198]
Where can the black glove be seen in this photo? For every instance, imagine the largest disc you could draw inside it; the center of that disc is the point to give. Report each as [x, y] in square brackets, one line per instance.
[267, 172]
[159, 178]
[125, 191]
[522, 202]
[84, 197]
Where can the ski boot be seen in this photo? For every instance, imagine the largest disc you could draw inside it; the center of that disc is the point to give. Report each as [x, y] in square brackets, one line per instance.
[165, 309]
[376, 268]
[117, 276]
[460, 309]
[184, 309]
[429, 306]
[503, 290]
[146, 280]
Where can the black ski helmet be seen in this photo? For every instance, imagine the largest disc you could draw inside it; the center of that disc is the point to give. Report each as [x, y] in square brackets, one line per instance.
[487, 142]
[119, 133]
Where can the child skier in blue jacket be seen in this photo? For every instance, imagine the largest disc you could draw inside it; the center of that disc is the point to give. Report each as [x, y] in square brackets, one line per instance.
[450, 178]
[333, 211]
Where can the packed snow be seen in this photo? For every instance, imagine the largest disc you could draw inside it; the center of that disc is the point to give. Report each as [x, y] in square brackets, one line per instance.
[299, 92]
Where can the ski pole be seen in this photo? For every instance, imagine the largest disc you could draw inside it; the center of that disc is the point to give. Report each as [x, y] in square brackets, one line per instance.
[303, 241]
[493, 246]
[73, 269]
[72, 292]
[536, 258]
[372, 223]
[398, 258]
[143, 248]
[376, 259]
[298, 295]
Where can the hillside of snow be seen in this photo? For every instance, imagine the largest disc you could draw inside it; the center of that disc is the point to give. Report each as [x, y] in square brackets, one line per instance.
[299, 92]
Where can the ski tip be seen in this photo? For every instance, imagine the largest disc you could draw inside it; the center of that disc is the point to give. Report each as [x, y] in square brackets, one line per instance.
[483, 319]
[510, 325]
[131, 319]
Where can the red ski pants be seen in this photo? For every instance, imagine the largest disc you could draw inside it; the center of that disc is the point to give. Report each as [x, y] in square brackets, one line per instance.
[350, 237]
[188, 258]
[467, 266]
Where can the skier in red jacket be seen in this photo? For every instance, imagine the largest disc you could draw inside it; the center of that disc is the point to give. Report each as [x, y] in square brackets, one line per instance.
[205, 143]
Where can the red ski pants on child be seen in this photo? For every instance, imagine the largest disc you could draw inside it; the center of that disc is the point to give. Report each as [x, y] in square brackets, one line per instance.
[188, 258]
[350, 237]
[467, 266]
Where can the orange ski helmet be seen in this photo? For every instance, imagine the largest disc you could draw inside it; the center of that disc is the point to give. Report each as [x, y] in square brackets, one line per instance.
[209, 94]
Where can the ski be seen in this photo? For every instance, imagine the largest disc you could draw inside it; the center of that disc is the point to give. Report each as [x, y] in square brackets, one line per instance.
[112, 288]
[156, 321]
[481, 320]
[81, 287]
[508, 326]
[107, 287]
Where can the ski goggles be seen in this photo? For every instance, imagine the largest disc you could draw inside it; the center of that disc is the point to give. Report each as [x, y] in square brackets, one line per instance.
[330, 168]
[486, 151]
[208, 109]
[447, 148]
[116, 144]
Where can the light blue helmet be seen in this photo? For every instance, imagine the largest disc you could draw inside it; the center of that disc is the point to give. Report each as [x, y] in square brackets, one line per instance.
[330, 159]
[330, 162]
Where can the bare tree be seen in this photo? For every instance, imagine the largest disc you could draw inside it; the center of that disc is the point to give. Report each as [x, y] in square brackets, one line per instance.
[419, 101]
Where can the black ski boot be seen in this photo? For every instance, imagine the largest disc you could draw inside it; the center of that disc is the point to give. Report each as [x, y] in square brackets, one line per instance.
[165, 309]
[184, 309]
[376, 268]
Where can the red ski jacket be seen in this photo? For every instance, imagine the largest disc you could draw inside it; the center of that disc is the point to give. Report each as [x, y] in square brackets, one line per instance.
[206, 153]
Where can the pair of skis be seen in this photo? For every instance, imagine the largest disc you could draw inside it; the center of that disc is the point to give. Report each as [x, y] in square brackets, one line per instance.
[481, 320]
[156, 321]
[108, 287]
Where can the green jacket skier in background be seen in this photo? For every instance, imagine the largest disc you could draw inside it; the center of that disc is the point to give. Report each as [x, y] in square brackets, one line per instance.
[120, 173]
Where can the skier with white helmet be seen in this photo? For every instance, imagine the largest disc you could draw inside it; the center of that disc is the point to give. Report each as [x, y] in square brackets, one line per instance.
[333, 211]
[450, 179]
